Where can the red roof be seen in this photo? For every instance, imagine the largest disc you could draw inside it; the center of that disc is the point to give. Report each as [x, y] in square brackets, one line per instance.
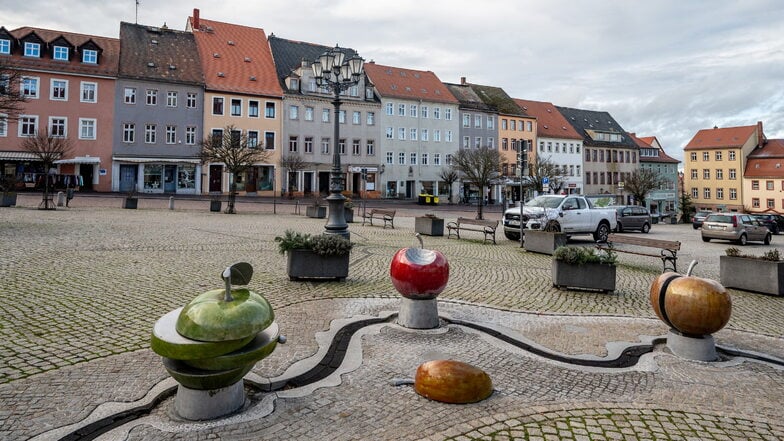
[549, 121]
[108, 63]
[408, 84]
[646, 142]
[729, 137]
[236, 59]
[648, 139]
[767, 162]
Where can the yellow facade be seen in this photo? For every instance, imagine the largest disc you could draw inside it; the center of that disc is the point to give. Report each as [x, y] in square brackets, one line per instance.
[763, 195]
[713, 177]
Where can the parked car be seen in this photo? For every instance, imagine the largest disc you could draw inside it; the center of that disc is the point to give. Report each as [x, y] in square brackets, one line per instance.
[572, 214]
[699, 218]
[736, 227]
[774, 222]
[632, 217]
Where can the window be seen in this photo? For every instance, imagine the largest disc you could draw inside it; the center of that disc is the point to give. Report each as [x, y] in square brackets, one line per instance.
[293, 144]
[130, 95]
[59, 90]
[478, 121]
[706, 192]
[356, 147]
[129, 132]
[390, 157]
[293, 112]
[89, 56]
[755, 203]
[3, 124]
[755, 185]
[401, 110]
[356, 118]
[217, 105]
[530, 126]
[437, 112]
[719, 174]
[732, 155]
[32, 49]
[448, 136]
[5, 46]
[401, 158]
[413, 136]
[512, 124]
[269, 140]
[694, 173]
[705, 156]
[308, 144]
[477, 142]
[325, 146]
[412, 111]
[706, 173]
[371, 118]
[769, 203]
[61, 53]
[30, 87]
[425, 159]
[190, 135]
[732, 173]
[253, 139]
[401, 133]
[217, 136]
[269, 110]
[371, 147]
[718, 156]
[413, 158]
[308, 114]
[253, 109]
[733, 194]
[448, 159]
[693, 156]
[342, 117]
[436, 158]
[437, 135]
[768, 185]
[466, 120]
[151, 97]
[325, 115]
[425, 136]
[86, 128]
[490, 143]
[448, 114]
[695, 193]
[719, 193]
[89, 92]
[57, 126]
[236, 107]
[390, 132]
[466, 141]
[171, 134]
[190, 100]
[149, 134]
[342, 146]
[490, 123]
[390, 109]
[423, 110]
[504, 124]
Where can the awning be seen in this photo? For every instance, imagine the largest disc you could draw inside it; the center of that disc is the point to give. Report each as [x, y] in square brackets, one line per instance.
[137, 160]
[80, 160]
[18, 156]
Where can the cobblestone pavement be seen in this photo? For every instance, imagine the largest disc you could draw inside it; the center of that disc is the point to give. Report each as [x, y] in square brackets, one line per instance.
[83, 286]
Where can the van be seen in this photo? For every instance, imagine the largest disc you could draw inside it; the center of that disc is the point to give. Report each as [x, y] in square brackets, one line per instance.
[632, 217]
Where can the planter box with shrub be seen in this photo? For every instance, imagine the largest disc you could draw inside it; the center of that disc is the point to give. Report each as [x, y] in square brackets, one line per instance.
[585, 268]
[320, 257]
[763, 274]
[545, 242]
[314, 211]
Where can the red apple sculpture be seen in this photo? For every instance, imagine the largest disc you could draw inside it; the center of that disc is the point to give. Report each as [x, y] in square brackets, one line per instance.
[419, 274]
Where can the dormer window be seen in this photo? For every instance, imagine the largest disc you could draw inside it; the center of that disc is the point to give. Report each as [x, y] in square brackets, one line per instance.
[61, 53]
[294, 84]
[90, 56]
[32, 49]
[5, 46]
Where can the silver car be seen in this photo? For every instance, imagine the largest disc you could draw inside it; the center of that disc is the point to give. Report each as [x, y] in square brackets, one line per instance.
[736, 227]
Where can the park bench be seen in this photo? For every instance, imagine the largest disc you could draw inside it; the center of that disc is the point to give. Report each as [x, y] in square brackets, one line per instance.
[487, 227]
[388, 216]
[668, 249]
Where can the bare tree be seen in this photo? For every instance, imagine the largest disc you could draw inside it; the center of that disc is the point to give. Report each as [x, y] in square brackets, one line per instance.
[292, 162]
[540, 168]
[231, 148]
[641, 182]
[47, 149]
[11, 97]
[479, 167]
[449, 176]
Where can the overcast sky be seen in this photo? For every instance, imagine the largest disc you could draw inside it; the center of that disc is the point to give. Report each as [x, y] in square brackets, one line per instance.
[664, 68]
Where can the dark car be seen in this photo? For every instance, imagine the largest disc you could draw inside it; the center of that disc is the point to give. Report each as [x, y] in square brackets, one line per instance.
[774, 222]
[632, 217]
[699, 218]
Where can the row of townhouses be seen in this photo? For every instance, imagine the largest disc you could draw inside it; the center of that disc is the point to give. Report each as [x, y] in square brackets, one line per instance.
[137, 109]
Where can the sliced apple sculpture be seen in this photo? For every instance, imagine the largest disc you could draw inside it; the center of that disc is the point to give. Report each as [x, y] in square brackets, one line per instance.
[419, 273]
[219, 336]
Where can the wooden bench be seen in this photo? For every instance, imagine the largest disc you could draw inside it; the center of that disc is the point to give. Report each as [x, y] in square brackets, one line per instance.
[487, 227]
[388, 216]
[668, 249]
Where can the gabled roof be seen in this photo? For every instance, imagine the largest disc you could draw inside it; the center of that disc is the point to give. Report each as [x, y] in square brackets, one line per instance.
[159, 54]
[585, 122]
[235, 58]
[468, 98]
[107, 65]
[395, 82]
[288, 54]
[727, 137]
[549, 121]
[498, 99]
[647, 142]
[766, 162]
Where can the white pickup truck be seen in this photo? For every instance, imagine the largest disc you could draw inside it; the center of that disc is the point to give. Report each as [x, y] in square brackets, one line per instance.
[571, 214]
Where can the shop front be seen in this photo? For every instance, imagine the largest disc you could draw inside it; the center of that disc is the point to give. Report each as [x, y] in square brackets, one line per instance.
[156, 176]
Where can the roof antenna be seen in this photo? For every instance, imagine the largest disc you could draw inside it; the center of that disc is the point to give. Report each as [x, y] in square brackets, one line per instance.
[137, 11]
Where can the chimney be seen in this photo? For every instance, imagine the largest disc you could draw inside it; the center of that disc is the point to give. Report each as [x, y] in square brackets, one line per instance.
[196, 19]
[760, 135]
[462, 81]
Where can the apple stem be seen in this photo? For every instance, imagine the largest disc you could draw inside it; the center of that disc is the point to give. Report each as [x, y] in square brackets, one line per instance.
[691, 267]
[227, 279]
[421, 242]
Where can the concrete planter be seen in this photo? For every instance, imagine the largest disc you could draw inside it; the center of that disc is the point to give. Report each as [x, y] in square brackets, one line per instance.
[319, 212]
[131, 203]
[215, 206]
[349, 214]
[429, 226]
[596, 276]
[8, 200]
[544, 242]
[757, 275]
[305, 264]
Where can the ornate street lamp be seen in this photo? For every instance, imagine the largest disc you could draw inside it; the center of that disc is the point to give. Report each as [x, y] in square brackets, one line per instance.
[334, 72]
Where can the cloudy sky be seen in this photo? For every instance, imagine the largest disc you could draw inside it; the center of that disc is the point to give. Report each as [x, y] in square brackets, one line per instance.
[664, 68]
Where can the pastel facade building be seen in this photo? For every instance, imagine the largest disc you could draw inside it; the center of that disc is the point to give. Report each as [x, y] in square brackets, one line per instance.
[664, 199]
[763, 179]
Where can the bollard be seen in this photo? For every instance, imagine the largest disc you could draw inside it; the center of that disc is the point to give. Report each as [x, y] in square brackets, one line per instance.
[171, 202]
[60, 198]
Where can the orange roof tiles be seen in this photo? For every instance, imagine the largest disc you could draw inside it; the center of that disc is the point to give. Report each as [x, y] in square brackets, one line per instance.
[729, 137]
[549, 121]
[767, 162]
[647, 142]
[408, 84]
[236, 59]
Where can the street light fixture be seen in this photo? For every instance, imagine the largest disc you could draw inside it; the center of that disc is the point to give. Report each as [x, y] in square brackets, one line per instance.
[334, 72]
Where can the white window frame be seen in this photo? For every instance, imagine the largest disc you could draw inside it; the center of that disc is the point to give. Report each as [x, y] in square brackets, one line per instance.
[425, 159]
[401, 158]
[129, 95]
[151, 97]
[171, 134]
[90, 124]
[3, 125]
[309, 113]
[370, 147]
[390, 158]
[448, 114]
[412, 158]
[32, 81]
[32, 49]
[401, 109]
[190, 135]
[307, 145]
[60, 53]
[90, 56]
[325, 115]
[424, 135]
[356, 117]
[436, 158]
[171, 98]
[5, 46]
[413, 111]
[413, 134]
[150, 133]
[390, 133]
[65, 88]
[477, 121]
[50, 126]
[191, 100]
[293, 112]
[129, 133]
[238, 107]
[83, 88]
[424, 112]
[436, 113]
[401, 133]
[24, 122]
[437, 135]
[253, 139]
[448, 136]
[390, 109]
[490, 122]
[370, 118]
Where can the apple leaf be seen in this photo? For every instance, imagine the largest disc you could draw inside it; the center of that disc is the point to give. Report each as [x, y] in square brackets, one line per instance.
[240, 273]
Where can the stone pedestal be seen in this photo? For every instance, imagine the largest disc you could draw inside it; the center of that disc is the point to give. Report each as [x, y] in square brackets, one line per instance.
[418, 314]
[701, 348]
[198, 405]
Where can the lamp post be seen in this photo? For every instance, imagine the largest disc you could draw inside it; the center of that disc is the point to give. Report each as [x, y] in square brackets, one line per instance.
[335, 72]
